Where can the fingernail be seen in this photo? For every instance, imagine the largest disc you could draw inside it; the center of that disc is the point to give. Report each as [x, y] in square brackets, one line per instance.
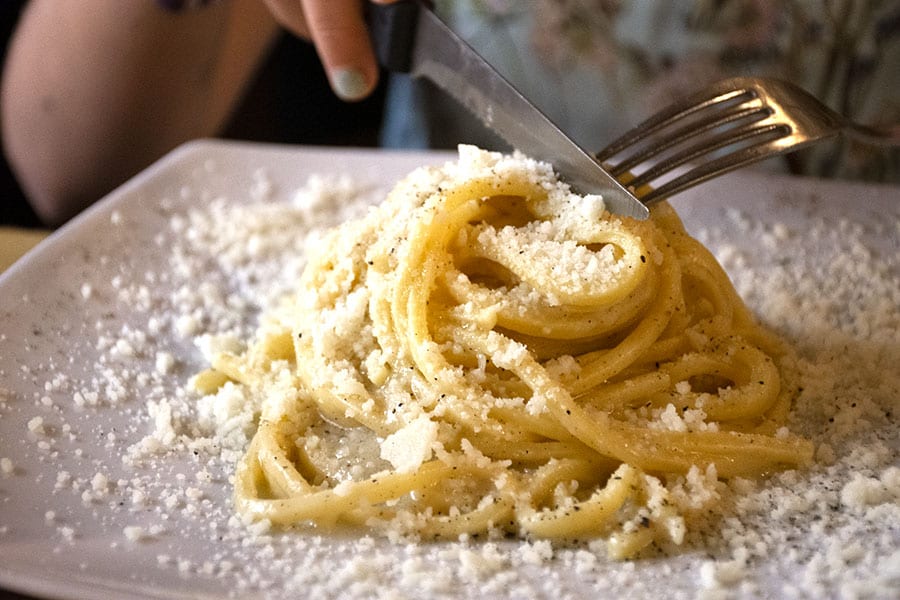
[349, 84]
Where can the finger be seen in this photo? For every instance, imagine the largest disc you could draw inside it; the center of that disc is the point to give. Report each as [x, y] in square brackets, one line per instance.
[339, 32]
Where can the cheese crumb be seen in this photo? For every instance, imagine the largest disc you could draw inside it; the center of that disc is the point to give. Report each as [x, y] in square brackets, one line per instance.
[410, 446]
[134, 533]
[36, 426]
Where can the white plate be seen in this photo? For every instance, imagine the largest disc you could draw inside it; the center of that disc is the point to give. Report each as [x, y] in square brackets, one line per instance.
[67, 532]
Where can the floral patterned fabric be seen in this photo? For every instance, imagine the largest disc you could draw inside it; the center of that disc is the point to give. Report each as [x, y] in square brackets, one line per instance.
[598, 67]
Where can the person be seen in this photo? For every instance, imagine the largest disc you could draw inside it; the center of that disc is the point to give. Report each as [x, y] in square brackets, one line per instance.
[94, 92]
[599, 67]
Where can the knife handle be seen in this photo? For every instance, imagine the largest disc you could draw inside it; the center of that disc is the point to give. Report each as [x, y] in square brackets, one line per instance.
[393, 31]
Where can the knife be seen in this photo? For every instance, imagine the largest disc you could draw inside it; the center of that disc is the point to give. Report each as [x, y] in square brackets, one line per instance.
[409, 38]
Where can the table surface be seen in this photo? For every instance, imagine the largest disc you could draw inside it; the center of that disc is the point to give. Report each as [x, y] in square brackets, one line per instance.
[16, 241]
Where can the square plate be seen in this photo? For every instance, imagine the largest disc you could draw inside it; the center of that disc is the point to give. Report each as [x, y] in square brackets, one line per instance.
[99, 325]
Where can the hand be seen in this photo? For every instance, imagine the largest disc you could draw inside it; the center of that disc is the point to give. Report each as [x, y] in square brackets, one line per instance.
[338, 30]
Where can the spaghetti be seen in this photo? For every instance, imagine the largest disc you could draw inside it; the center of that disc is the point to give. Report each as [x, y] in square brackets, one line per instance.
[488, 352]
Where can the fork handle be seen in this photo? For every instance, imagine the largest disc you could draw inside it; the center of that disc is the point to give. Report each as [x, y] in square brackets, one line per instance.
[889, 137]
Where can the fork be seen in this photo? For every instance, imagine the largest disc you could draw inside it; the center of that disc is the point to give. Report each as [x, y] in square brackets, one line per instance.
[728, 125]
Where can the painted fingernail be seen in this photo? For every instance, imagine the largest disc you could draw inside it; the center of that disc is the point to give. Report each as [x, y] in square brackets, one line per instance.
[349, 84]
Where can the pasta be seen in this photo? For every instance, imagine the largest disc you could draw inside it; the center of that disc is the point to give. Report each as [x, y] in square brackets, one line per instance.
[489, 353]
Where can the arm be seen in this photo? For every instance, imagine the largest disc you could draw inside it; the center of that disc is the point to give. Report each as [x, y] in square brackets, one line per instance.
[95, 91]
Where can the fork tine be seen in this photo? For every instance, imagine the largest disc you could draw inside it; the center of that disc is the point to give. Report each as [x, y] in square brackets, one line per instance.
[723, 164]
[767, 131]
[716, 95]
[689, 131]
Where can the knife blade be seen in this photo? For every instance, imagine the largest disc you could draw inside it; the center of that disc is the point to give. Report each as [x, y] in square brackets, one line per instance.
[409, 38]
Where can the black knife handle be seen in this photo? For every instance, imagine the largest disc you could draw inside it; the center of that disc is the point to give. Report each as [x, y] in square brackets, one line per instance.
[393, 30]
